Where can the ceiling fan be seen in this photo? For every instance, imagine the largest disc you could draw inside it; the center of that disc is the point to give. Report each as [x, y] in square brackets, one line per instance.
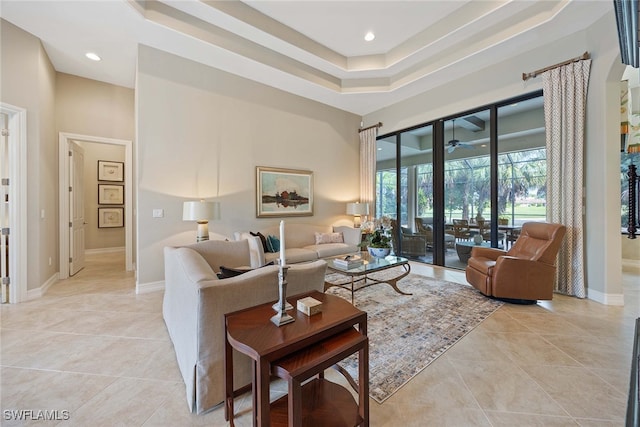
[454, 143]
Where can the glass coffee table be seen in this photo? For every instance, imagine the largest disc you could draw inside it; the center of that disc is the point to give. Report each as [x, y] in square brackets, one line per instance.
[359, 277]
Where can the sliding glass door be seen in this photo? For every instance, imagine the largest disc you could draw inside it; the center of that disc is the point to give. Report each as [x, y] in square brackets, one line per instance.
[467, 180]
[467, 185]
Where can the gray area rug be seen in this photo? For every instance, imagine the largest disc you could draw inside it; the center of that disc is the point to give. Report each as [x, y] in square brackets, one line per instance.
[407, 333]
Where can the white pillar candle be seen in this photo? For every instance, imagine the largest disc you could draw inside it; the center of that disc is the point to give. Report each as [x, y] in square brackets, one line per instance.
[281, 242]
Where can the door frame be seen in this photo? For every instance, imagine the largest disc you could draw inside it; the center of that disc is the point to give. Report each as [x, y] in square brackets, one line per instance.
[17, 141]
[63, 156]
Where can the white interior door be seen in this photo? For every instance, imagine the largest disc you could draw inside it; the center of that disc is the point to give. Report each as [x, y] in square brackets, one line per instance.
[76, 208]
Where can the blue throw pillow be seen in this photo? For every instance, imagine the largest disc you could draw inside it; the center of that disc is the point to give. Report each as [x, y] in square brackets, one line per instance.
[273, 244]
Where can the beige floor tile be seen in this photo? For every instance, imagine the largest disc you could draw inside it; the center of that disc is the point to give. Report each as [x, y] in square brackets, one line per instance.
[175, 412]
[125, 402]
[530, 349]
[122, 354]
[511, 419]
[615, 377]
[502, 321]
[436, 388]
[500, 385]
[573, 388]
[91, 345]
[48, 390]
[593, 351]
[475, 346]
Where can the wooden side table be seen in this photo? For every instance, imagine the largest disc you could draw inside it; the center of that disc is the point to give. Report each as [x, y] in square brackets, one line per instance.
[298, 351]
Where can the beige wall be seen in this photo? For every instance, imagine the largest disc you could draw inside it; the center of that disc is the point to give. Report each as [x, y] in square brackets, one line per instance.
[28, 81]
[201, 134]
[504, 80]
[89, 107]
[630, 248]
[100, 238]
[92, 108]
[54, 102]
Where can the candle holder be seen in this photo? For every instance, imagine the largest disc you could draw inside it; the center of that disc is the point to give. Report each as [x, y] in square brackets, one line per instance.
[281, 317]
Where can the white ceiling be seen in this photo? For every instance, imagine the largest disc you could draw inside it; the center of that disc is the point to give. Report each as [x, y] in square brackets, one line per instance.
[314, 49]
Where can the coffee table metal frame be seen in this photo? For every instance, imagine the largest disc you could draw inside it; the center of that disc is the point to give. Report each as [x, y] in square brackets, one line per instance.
[359, 276]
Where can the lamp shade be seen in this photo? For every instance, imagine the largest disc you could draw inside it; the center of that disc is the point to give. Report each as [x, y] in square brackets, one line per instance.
[357, 208]
[200, 211]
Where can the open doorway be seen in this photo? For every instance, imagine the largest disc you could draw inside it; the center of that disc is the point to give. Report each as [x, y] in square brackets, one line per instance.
[13, 169]
[117, 209]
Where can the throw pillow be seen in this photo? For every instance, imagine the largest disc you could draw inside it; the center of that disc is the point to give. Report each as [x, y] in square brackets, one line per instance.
[262, 239]
[273, 244]
[226, 272]
[324, 238]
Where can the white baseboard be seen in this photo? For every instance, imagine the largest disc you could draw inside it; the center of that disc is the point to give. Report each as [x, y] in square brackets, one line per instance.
[607, 299]
[104, 250]
[631, 265]
[39, 292]
[143, 288]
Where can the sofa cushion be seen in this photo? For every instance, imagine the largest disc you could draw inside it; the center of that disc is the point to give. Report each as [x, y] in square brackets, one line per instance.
[324, 238]
[294, 255]
[222, 252]
[332, 249]
[350, 235]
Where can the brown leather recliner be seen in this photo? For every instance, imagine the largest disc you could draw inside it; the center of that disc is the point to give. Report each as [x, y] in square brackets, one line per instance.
[526, 272]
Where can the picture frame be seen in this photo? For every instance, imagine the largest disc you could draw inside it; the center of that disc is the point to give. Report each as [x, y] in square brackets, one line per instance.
[110, 171]
[110, 217]
[283, 192]
[109, 194]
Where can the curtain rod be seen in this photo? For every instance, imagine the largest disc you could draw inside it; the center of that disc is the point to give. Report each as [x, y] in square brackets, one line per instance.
[527, 76]
[377, 125]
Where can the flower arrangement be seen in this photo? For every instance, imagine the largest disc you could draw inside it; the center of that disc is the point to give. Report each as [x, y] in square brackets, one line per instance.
[378, 239]
[383, 223]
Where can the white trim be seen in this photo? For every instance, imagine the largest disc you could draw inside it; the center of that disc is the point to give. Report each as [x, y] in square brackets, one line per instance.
[105, 250]
[63, 161]
[607, 299]
[18, 192]
[39, 292]
[144, 288]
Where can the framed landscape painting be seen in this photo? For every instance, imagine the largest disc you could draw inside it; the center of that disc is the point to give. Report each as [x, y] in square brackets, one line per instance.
[283, 192]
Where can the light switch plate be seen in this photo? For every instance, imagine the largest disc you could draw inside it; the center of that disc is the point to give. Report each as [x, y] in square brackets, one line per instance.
[158, 213]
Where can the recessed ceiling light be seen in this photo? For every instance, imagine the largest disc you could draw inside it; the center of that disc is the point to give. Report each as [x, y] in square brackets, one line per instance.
[92, 56]
[369, 36]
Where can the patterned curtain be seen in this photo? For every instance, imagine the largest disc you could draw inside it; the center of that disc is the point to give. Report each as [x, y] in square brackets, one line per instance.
[368, 169]
[565, 98]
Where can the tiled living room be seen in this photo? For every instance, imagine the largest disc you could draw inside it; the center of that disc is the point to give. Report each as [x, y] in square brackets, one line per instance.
[195, 97]
[95, 349]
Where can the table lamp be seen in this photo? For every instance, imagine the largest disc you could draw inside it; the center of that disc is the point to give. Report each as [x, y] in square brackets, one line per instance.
[201, 212]
[357, 209]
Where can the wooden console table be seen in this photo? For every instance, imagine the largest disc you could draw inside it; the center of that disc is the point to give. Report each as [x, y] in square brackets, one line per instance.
[296, 352]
